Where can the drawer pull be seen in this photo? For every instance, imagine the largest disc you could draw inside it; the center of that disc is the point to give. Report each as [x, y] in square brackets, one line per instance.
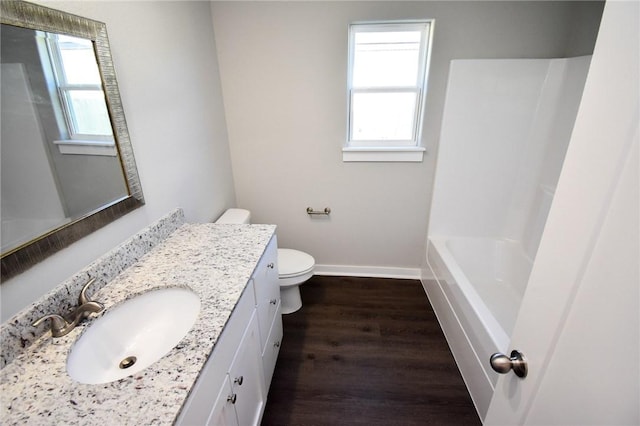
[232, 398]
[273, 301]
[276, 344]
[271, 265]
[239, 380]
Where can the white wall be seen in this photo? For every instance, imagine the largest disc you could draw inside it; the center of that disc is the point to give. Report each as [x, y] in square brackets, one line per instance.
[165, 58]
[283, 69]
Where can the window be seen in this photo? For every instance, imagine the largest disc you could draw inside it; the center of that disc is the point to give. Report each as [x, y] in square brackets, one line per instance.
[388, 64]
[79, 88]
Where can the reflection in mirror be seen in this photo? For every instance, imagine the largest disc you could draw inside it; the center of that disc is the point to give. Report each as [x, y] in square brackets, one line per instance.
[54, 116]
[67, 164]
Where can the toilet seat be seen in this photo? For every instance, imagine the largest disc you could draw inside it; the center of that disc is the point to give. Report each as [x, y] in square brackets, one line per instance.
[294, 263]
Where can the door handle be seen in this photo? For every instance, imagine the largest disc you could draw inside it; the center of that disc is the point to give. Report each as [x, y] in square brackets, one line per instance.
[503, 364]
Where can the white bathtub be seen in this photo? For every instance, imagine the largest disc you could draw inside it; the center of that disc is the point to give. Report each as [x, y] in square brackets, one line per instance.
[476, 294]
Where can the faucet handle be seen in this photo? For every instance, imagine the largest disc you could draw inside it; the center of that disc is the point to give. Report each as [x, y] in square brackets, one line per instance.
[92, 307]
[59, 325]
[83, 298]
[83, 311]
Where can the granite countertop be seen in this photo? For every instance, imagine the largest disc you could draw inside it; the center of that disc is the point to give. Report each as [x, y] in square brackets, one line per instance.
[214, 260]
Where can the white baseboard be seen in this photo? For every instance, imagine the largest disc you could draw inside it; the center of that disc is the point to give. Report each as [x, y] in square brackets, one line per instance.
[426, 273]
[368, 271]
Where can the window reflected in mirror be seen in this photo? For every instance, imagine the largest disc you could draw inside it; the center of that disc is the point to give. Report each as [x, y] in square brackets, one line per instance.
[59, 157]
[77, 79]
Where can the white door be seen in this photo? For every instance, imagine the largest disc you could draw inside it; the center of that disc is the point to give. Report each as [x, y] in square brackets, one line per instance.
[578, 325]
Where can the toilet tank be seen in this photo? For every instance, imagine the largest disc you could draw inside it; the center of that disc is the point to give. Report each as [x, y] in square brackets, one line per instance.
[235, 216]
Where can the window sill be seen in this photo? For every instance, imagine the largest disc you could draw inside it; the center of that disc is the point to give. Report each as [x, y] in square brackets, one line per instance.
[410, 154]
[82, 147]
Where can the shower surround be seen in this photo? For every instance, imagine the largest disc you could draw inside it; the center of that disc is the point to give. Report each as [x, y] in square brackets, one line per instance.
[505, 131]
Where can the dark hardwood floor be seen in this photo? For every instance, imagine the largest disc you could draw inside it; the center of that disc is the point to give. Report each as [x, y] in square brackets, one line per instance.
[365, 351]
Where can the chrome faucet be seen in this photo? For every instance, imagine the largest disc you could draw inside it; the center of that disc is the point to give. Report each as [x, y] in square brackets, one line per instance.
[61, 325]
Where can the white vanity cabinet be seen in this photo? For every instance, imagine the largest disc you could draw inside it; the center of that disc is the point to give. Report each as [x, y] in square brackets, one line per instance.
[241, 398]
[232, 387]
[268, 308]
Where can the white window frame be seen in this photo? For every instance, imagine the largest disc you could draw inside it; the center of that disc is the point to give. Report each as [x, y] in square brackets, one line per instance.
[390, 150]
[74, 142]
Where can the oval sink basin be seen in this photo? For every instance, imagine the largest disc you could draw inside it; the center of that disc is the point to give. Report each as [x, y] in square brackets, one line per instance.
[133, 335]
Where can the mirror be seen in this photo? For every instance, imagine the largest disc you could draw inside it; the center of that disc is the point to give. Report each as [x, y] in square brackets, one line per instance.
[67, 162]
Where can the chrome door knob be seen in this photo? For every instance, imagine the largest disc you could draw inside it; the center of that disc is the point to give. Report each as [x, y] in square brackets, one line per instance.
[503, 364]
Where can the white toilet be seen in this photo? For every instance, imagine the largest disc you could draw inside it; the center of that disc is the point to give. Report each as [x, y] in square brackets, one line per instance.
[294, 266]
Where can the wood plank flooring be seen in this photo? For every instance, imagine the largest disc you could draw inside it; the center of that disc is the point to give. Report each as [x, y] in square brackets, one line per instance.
[365, 351]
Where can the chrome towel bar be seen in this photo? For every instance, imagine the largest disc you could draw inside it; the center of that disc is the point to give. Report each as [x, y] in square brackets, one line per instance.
[326, 211]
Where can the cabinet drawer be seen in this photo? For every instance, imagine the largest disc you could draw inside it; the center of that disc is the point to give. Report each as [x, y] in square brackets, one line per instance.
[267, 289]
[246, 377]
[223, 412]
[266, 284]
[266, 273]
[272, 347]
[267, 310]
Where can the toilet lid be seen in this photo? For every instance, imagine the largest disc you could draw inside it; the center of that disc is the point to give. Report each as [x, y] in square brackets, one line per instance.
[294, 262]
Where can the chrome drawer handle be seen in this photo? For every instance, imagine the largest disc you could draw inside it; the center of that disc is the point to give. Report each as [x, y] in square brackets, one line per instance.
[239, 380]
[232, 398]
[271, 265]
[276, 344]
[273, 301]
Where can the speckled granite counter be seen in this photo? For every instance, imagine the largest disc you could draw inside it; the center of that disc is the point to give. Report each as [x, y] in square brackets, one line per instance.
[215, 261]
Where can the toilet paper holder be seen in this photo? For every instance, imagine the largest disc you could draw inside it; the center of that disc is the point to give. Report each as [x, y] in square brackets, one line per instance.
[326, 211]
